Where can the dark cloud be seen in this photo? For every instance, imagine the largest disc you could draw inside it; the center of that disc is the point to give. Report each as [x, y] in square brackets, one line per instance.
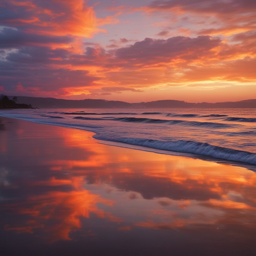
[16, 15]
[153, 51]
[164, 203]
[123, 40]
[12, 38]
[92, 52]
[31, 78]
[245, 37]
[163, 33]
[39, 55]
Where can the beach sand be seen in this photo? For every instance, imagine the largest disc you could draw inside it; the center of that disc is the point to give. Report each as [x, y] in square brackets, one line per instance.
[64, 193]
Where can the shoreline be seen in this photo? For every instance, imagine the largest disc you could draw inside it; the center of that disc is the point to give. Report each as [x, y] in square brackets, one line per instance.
[147, 148]
[126, 146]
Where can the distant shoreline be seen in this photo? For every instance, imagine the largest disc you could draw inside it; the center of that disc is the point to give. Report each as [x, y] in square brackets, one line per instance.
[7, 103]
[99, 103]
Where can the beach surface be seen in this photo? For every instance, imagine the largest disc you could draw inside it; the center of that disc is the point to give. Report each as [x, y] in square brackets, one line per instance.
[64, 193]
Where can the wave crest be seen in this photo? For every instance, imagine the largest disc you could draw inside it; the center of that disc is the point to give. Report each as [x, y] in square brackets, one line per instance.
[203, 149]
[241, 119]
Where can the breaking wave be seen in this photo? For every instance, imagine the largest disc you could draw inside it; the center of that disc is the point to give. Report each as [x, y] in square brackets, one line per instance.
[203, 149]
[214, 115]
[151, 113]
[88, 118]
[241, 119]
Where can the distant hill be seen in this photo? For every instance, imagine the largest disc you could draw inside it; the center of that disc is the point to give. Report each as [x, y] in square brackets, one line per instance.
[183, 104]
[60, 103]
[98, 103]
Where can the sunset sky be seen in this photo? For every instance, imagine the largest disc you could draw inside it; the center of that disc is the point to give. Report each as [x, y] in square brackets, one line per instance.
[143, 50]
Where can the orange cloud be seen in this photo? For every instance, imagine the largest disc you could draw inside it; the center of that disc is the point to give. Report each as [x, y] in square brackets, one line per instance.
[57, 17]
[228, 204]
[78, 20]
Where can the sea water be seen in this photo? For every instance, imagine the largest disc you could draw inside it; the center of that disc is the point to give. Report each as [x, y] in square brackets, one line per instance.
[226, 134]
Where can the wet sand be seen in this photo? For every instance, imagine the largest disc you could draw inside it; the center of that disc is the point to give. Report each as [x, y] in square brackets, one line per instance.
[63, 193]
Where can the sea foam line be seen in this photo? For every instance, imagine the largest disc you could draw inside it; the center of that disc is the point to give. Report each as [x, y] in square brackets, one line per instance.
[203, 149]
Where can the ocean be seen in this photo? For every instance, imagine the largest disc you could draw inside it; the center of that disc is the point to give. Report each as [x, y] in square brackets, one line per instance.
[220, 134]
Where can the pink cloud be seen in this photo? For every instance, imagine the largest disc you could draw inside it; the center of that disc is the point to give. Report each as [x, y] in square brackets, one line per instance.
[19, 88]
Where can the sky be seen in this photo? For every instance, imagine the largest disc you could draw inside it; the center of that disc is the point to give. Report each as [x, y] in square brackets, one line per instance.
[134, 51]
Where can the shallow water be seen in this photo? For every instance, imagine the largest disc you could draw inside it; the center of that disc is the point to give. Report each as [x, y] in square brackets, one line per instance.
[227, 134]
[63, 193]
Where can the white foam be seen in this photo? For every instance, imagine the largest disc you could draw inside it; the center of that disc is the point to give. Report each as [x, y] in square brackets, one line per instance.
[192, 147]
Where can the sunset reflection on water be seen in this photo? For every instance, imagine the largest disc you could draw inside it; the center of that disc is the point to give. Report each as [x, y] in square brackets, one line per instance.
[60, 184]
